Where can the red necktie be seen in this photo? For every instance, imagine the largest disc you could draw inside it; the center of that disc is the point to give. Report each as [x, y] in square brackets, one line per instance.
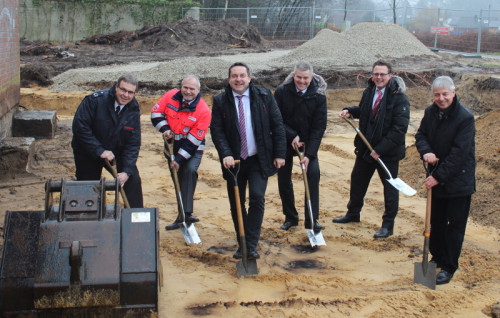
[243, 132]
[377, 101]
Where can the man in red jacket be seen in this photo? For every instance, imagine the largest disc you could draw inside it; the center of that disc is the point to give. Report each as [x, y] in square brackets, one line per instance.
[184, 115]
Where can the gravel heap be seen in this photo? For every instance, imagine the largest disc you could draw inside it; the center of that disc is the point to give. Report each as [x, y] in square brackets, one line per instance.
[362, 45]
[329, 48]
[169, 73]
[386, 40]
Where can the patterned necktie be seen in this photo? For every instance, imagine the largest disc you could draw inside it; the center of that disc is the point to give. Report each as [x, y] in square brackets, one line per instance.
[185, 104]
[117, 109]
[377, 101]
[243, 132]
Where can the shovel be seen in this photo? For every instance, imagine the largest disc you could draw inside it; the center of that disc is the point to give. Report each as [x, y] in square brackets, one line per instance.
[246, 266]
[425, 272]
[112, 169]
[316, 239]
[188, 230]
[397, 183]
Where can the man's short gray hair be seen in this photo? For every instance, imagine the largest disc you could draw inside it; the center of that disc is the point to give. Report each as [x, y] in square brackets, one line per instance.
[190, 77]
[443, 82]
[303, 66]
[127, 78]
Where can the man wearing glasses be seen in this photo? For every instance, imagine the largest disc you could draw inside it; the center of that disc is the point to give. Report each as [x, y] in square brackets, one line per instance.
[107, 125]
[384, 114]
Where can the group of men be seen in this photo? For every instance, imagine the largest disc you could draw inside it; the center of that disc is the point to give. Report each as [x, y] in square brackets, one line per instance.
[261, 133]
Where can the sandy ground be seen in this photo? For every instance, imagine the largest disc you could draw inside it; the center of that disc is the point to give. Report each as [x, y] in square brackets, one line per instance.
[354, 275]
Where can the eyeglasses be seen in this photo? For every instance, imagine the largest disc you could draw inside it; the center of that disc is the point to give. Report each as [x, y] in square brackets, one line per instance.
[379, 74]
[124, 91]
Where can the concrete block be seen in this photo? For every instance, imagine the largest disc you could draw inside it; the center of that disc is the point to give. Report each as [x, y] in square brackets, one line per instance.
[34, 123]
[17, 153]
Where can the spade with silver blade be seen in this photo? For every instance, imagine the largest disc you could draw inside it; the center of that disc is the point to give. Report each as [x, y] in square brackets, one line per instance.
[188, 230]
[315, 238]
[397, 183]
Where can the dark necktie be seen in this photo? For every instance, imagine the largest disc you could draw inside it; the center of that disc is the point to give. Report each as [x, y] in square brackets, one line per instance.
[300, 93]
[185, 104]
[117, 109]
[243, 132]
[377, 101]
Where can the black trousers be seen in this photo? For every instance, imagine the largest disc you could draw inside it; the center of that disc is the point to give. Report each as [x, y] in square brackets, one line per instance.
[448, 222]
[287, 195]
[360, 179]
[91, 169]
[188, 178]
[250, 173]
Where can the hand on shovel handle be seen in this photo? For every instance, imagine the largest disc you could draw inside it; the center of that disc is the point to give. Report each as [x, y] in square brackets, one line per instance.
[112, 168]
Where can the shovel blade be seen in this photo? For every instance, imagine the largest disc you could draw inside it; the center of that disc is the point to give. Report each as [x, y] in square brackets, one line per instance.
[316, 239]
[251, 268]
[426, 278]
[401, 186]
[190, 234]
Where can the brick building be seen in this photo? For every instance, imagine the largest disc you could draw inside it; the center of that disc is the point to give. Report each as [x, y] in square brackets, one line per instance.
[9, 64]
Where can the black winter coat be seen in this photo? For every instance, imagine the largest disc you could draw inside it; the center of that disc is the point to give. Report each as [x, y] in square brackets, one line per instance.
[267, 125]
[304, 116]
[96, 128]
[389, 128]
[451, 139]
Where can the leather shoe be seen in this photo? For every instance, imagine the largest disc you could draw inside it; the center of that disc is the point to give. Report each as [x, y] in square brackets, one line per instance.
[443, 277]
[287, 225]
[383, 233]
[191, 219]
[173, 226]
[252, 254]
[318, 227]
[348, 218]
[237, 254]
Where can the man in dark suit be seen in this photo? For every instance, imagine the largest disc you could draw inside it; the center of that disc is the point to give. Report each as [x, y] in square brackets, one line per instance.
[384, 115]
[302, 102]
[247, 125]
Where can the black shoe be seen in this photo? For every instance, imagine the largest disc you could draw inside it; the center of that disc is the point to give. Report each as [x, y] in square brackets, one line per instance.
[237, 254]
[443, 277]
[174, 226]
[191, 219]
[383, 233]
[287, 225]
[318, 227]
[252, 254]
[348, 218]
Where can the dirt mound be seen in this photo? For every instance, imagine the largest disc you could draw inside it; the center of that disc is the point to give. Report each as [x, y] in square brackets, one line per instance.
[187, 34]
[485, 203]
[386, 40]
[329, 47]
[479, 93]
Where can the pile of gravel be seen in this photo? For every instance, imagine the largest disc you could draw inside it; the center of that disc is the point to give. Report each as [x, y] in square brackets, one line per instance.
[164, 73]
[329, 48]
[386, 40]
[362, 45]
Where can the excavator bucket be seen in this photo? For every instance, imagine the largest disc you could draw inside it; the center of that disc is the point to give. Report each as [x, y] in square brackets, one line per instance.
[82, 257]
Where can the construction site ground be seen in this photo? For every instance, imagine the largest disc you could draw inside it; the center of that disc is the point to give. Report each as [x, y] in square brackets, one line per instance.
[354, 275]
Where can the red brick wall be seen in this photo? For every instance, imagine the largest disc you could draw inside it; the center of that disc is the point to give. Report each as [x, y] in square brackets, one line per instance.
[9, 55]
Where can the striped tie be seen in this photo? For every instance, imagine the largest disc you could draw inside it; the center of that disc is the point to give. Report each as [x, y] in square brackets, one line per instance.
[243, 132]
[377, 101]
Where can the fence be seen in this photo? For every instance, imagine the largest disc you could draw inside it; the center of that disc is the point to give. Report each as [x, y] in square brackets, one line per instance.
[466, 30]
